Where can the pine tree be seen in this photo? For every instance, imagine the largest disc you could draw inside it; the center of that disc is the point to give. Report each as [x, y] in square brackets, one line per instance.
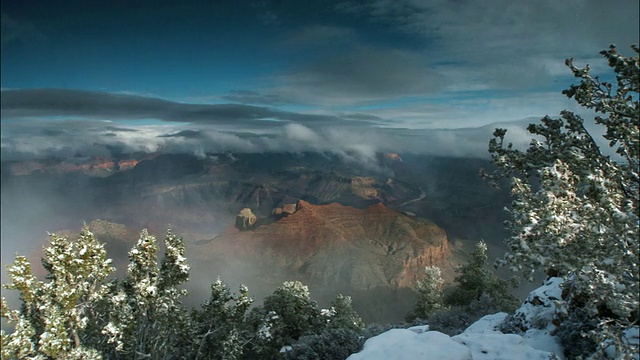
[218, 328]
[284, 317]
[475, 279]
[342, 316]
[429, 295]
[575, 212]
[148, 319]
[57, 315]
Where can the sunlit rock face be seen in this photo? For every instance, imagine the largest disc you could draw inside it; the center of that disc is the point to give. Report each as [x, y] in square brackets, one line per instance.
[245, 219]
[94, 166]
[333, 248]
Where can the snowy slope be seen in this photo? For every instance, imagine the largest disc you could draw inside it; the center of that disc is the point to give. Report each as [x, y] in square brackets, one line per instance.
[534, 322]
[481, 340]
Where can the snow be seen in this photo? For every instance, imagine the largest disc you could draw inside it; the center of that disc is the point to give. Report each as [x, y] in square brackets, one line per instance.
[486, 324]
[541, 305]
[481, 340]
[419, 329]
[632, 335]
[406, 344]
[498, 346]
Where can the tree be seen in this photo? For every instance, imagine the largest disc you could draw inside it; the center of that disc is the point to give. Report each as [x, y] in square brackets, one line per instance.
[475, 279]
[58, 317]
[342, 316]
[284, 317]
[148, 319]
[217, 329]
[429, 295]
[575, 212]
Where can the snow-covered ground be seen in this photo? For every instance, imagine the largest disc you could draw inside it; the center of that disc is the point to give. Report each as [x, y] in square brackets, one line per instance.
[482, 340]
[479, 342]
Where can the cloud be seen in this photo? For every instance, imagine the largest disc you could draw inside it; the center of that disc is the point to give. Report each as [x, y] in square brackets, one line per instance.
[23, 140]
[318, 35]
[187, 134]
[355, 76]
[16, 31]
[301, 133]
[19, 104]
[254, 97]
[502, 43]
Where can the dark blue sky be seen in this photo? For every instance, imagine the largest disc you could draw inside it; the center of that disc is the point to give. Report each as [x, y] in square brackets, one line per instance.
[381, 64]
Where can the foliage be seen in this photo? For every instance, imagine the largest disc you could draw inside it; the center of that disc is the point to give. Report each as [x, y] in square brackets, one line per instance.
[453, 320]
[79, 314]
[571, 333]
[217, 329]
[342, 316]
[575, 212]
[284, 317]
[477, 291]
[147, 318]
[330, 344]
[56, 315]
[429, 295]
[475, 279]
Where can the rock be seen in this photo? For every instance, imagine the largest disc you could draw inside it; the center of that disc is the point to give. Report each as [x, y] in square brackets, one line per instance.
[286, 209]
[375, 255]
[392, 157]
[245, 219]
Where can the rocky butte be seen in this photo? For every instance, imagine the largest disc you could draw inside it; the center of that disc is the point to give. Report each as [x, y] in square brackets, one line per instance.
[371, 254]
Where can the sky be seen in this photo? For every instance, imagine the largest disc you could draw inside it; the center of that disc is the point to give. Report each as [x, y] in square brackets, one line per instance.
[352, 77]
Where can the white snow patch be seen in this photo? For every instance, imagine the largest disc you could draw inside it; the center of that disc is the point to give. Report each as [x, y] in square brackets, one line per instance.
[541, 305]
[487, 324]
[419, 329]
[481, 340]
[498, 346]
[399, 344]
[542, 339]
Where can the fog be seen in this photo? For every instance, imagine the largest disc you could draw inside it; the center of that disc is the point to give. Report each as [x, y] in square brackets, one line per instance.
[39, 203]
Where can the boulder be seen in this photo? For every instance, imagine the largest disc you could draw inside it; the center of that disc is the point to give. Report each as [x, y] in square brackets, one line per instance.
[245, 219]
[286, 209]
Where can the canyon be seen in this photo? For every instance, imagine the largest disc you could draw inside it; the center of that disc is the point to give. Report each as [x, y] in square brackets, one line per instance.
[340, 227]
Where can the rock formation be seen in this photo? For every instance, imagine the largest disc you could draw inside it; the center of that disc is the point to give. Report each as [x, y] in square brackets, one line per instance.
[245, 219]
[367, 253]
[284, 210]
[392, 157]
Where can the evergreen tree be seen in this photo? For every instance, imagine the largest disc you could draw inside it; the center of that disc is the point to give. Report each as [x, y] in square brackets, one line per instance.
[57, 315]
[429, 295]
[284, 317]
[218, 328]
[575, 212]
[148, 319]
[296, 313]
[475, 279]
[342, 316]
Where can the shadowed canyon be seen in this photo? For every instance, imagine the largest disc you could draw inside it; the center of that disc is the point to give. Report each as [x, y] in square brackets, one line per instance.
[340, 227]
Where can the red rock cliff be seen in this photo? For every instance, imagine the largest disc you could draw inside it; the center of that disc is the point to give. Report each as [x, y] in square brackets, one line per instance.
[340, 246]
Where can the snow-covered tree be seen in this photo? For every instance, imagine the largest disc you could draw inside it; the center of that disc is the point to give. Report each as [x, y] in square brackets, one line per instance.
[297, 312]
[342, 316]
[475, 279]
[429, 291]
[148, 319]
[57, 315]
[575, 212]
[284, 317]
[217, 330]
